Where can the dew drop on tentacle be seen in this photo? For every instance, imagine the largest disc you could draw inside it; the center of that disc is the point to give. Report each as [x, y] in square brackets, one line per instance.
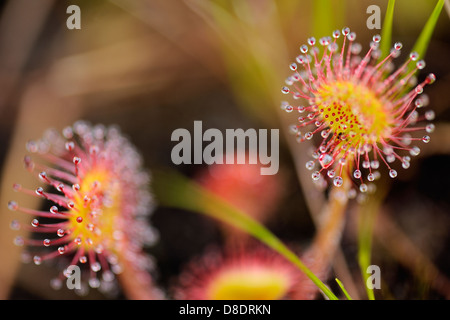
[40, 191]
[363, 187]
[96, 266]
[429, 128]
[70, 145]
[392, 173]
[325, 160]
[405, 164]
[37, 260]
[14, 225]
[316, 175]
[19, 241]
[429, 115]
[285, 90]
[331, 173]
[56, 284]
[338, 181]
[415, 151]
[94, 283]
[12, 205]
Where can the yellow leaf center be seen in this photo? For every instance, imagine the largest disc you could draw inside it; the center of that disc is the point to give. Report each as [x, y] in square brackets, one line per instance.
[254, 283]
[353, 112]
[96, 204]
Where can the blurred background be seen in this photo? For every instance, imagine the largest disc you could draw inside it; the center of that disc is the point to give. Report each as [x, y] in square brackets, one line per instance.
[152, 66]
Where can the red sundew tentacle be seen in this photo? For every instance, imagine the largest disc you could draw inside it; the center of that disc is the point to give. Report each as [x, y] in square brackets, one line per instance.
[57, 241]
[367, 158]
[382, 158]
[347, 60]
[58, 174]
[58, 185]
[43, 214]
[393, 76]
[103, 263]
[358, 159]
[47, 256]
[95, 266]
[407, 120]
[359, 70]
[59, 162]
[323, 125]
[341, 56]
[395, 89]
[379, 76]
[41, 229]
[310, 74]
[79, 253]
[372, 72]
[76, 161]
[405, 107]
[312, 118]
[414, 128]
[40, 243]
[399, 103]
[330, 73]
[59, 200]
[324, 55]
[300, 93]
[397, 156]
[399, 143]
[300, 78]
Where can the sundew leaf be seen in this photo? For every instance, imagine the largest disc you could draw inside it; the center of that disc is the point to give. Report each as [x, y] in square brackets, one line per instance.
[423, 41]
[175, 190]
[386, 33]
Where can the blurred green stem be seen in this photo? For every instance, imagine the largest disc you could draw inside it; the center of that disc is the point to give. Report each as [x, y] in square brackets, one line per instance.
[423, 41]
[386, 33]
[174, 190]
[367, 214]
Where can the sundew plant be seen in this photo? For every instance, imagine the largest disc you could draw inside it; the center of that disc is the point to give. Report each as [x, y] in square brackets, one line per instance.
[94, 207]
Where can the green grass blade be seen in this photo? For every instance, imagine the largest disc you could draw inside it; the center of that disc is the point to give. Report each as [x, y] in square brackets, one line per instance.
[365, 247]
[341, 285]
[322, 18]
[174, 190]
[327, 16]
[386, 31]
[423, 41]
[367, 219]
